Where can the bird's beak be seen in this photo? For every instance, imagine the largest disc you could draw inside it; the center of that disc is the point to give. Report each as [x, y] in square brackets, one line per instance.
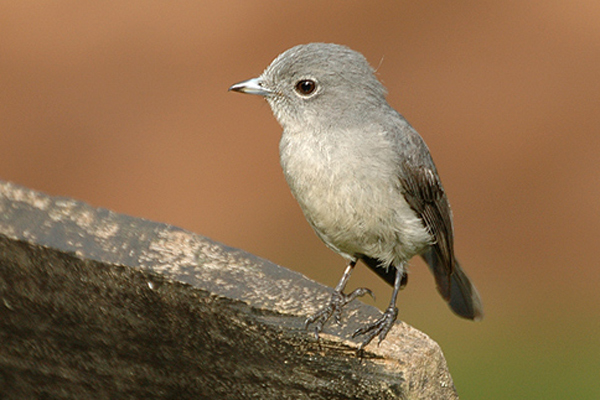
[251, 86]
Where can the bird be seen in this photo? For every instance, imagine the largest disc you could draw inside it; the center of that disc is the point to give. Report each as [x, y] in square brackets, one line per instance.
[363, 177]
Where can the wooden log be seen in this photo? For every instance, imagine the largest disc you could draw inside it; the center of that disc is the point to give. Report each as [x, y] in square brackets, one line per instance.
[99, 305]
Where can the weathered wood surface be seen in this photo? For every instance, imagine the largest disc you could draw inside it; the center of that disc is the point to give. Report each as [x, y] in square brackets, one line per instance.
[99, 305]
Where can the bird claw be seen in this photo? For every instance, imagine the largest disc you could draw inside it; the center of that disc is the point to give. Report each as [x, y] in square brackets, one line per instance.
[380, 328]
[334, 309]
[360, 292]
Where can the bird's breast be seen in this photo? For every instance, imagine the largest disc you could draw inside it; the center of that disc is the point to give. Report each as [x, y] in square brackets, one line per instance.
[350, 194]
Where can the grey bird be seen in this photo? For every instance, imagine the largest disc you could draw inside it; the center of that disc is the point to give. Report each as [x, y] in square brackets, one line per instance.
[363, 177]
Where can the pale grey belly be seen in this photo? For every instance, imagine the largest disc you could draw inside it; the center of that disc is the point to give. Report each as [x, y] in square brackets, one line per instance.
[361, 217]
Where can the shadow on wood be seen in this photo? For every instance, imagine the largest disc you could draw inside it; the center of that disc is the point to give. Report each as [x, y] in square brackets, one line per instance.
[95, 304]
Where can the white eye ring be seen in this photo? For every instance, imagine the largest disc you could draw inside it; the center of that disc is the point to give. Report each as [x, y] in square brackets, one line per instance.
[305, 87]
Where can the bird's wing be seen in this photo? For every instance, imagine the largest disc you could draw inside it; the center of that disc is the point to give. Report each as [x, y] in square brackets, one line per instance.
[424, 193]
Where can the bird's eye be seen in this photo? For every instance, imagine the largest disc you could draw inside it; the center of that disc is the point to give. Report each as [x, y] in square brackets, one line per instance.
[306, 87]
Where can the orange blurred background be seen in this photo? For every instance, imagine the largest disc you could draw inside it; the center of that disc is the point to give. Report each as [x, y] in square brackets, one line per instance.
[124, 105]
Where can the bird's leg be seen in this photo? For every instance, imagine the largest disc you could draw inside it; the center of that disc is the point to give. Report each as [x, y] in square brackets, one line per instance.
[337, 302]
[382, 326]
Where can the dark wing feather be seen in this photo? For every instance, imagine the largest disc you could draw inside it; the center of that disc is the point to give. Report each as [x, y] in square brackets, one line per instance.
[424, 193]
[387, 274]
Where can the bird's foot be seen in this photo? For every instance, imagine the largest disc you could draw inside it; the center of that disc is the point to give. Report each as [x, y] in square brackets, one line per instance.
[380, 327]
[334, 309]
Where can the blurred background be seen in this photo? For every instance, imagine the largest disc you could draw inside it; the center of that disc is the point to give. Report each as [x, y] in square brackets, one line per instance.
[124, 105]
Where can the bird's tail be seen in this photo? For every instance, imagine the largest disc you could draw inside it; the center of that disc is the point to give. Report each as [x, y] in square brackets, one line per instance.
[463, 297]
